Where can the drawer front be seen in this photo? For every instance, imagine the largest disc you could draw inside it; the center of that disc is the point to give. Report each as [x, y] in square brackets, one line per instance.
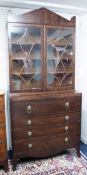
[35, 122]
[51, 146]
[39, 148]
[46, 106]
[46, 131]
[2, 117]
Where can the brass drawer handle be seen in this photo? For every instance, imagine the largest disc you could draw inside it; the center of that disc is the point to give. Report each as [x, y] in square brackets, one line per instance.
[29, 122]
[30, 146]
[66, 128]
[66, 139]
[29, 110]
[66, 105]
[67, 117]
[29, 133]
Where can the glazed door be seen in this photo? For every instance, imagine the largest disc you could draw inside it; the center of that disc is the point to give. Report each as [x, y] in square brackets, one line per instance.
[25, 43]
[60, 58]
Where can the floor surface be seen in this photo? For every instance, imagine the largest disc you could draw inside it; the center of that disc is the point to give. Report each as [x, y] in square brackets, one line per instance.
[83, 150]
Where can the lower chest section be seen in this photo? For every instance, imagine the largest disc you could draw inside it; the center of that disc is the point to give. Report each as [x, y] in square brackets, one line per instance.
[51, 125]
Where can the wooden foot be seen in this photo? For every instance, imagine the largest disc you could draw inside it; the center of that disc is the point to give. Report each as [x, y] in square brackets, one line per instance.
[14, 163]
[78, 151]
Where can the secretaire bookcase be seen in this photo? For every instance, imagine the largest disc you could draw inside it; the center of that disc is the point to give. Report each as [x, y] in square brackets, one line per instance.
[45, 108]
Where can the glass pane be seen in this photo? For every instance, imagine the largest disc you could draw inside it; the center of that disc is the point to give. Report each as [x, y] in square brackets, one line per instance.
[59, 58]
[25, 45]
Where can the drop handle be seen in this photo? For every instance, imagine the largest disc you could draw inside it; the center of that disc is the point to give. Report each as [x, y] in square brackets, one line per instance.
[30, 146]
[29, 133]
[29, 122]
[66, 128]
[29, 109]
[67, 117]
[66, 140]
[66, 105]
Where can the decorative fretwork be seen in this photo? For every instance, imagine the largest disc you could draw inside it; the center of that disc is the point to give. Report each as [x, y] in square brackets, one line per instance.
[61, 45]
[22, 56]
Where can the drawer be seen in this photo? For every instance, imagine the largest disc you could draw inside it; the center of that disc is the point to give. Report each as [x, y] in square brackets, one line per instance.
[45, 106]
[51, 146]
[35, 122]
[2, 134]
[39, 148]
[2, 117]
[45, 131]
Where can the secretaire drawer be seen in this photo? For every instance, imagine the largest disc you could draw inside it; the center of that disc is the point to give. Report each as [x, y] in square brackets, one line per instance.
[45, 106]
